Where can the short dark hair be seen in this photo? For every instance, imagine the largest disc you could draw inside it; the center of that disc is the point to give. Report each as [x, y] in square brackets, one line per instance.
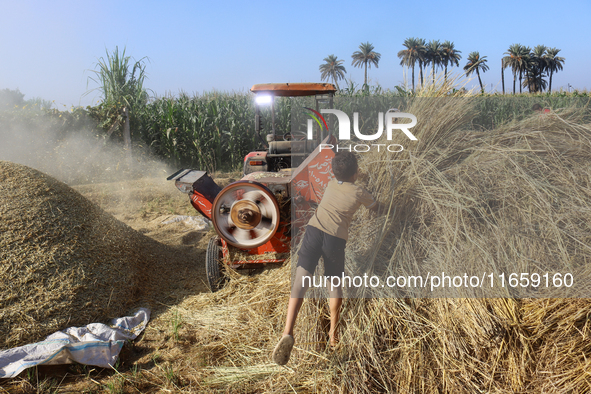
[344, 165]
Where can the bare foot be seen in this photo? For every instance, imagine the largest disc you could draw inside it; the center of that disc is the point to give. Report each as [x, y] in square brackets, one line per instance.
[334, 341]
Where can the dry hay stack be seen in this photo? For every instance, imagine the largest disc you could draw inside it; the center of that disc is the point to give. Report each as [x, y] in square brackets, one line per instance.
[512, 199]
[465, 201]
[63, 261]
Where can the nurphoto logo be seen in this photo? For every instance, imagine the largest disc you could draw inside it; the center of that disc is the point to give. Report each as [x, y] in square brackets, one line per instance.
[345, 129]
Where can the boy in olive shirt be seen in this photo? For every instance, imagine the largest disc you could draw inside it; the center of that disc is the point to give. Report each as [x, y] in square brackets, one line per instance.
[326, 235]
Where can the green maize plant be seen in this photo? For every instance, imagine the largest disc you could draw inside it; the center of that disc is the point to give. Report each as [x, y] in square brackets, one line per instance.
[212, 131]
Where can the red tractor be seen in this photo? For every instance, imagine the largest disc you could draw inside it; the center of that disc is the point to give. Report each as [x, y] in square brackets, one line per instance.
[253, 217]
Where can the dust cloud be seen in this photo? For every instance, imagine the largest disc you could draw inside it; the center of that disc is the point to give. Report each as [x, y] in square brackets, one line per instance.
[75, 157]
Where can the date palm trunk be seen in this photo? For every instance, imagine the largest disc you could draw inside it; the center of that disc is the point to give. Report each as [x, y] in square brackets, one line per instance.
[421, 72]
[335, 82]
[433, 75]
[503, 75]
[479, 80]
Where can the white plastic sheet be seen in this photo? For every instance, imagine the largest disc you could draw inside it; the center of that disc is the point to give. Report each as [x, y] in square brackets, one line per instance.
[96, 344]
[195, 222]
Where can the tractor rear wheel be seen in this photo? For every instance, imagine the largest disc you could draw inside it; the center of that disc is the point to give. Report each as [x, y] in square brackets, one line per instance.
[214, 265]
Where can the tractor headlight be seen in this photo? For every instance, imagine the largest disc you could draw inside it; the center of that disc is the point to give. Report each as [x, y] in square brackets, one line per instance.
[262, 99]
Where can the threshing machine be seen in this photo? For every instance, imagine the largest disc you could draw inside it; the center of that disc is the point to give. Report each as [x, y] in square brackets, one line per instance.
[253, 216]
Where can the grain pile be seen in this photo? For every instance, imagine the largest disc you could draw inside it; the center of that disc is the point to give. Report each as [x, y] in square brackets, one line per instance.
[65, 262]
[515, 198]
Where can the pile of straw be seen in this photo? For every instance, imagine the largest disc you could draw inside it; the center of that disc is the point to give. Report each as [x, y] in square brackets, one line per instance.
[512, 199]
[65, 262]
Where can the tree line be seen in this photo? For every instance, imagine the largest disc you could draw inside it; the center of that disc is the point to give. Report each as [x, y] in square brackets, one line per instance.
[534, 67]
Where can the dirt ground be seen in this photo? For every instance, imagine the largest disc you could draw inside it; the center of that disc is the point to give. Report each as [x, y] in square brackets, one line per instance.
[162, 358]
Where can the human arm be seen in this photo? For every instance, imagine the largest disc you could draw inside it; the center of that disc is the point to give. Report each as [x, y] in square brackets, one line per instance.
[369, 202]
[376, 207]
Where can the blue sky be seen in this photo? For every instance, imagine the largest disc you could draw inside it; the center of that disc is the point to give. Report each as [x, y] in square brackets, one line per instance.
[48, 48]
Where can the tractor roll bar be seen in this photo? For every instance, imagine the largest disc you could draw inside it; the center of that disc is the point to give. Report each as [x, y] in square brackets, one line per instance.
[324, 92]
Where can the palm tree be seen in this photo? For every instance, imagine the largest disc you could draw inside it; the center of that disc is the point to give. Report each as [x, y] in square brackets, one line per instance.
[535, 68]
[524, 60]
[534, 80]
[554, 63]
[476, 63]
[364, 56]
[449, 55]
[516, 58]
[433, 55]
[411, 55]
[332, 68]
[422, 57]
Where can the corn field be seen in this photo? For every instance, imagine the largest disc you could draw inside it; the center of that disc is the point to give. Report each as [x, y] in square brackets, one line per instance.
[215, 130]
[212, 131]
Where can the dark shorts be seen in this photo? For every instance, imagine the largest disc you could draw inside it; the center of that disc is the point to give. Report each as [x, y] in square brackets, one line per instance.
[318, 244]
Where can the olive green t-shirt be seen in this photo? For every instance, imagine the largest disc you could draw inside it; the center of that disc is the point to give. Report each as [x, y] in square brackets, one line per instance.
[337, 207]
